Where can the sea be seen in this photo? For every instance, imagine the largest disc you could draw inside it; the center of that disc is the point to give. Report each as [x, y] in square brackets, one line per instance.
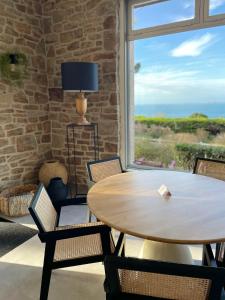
[212, 110]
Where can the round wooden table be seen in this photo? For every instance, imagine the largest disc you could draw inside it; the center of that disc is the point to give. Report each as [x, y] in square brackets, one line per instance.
[130, 202]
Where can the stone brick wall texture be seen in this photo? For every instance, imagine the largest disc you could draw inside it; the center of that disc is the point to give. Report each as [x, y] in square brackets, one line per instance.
[33, 124]
[87, 33]
[25, 129]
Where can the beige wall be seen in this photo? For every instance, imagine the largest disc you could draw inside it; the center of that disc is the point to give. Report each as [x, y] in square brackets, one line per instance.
[49, 34]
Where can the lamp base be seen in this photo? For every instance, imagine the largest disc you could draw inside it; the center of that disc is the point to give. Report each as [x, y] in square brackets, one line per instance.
[81, 108]
[82, 121]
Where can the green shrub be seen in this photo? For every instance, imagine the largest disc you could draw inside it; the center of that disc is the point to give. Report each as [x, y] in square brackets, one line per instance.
[188, 124]
[198, 115]
[187, 153]
[154, 151]
[179, 139]
[157, 132]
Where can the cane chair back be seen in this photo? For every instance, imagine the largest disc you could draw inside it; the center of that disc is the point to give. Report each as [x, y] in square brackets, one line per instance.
[210, 167]
[131, 278]
[163, 286]
[43, 211]
[98, 170]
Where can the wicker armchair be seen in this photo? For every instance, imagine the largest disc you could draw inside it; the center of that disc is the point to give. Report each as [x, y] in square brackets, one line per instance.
[132, 278]
[100, 169]
[216, 169]
[66, 245]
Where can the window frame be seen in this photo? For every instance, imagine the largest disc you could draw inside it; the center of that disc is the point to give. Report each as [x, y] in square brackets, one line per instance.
[216, 17]
[200, 21]
[134, 34]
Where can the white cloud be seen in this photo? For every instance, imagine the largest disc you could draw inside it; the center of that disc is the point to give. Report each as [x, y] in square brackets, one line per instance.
[216, 3]
[188, 3]
[187, 12]
[176, 86]
[193, 47]
[182, 18]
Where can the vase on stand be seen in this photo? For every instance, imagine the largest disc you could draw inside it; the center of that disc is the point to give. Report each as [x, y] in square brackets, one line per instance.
[57, 190]
[51, 169]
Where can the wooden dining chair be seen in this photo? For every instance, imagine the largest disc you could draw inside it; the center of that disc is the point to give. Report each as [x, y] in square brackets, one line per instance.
[136, 279]
[66, 245]
[215, 169]
[101, 169]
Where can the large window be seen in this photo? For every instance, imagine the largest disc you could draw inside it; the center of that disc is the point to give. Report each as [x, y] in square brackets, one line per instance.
[176, 82]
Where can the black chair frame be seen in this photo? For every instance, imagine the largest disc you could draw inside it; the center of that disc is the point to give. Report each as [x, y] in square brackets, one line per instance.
[113, 263]
[51, 237]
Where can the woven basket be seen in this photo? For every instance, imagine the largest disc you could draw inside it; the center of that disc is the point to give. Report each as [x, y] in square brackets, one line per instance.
[14, 202]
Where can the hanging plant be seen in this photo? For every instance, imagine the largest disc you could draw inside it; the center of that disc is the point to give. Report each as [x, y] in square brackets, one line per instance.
[13, 68]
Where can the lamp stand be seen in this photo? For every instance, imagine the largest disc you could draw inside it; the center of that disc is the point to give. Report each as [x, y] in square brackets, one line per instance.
[81, 108]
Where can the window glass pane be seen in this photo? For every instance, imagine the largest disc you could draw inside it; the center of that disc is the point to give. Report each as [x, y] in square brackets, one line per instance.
[216, 7]
[179, 98]
[161, 13]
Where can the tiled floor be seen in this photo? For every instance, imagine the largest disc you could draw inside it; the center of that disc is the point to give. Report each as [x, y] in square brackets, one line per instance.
[21, 268]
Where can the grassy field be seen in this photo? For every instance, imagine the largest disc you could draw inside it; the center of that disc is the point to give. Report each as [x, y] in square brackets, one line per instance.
[176, 142]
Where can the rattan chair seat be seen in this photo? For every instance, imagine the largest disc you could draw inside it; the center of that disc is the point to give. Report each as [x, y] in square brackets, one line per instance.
[79, 247]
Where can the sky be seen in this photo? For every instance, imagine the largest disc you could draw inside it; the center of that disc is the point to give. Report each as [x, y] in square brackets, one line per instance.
[186, 67]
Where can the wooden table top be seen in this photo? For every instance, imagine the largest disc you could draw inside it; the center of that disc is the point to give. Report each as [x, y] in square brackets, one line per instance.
[130, 203]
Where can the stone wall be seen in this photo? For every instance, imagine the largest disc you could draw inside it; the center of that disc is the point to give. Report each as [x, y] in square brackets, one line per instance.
[25, 129]
[83, 30]
[32, 124]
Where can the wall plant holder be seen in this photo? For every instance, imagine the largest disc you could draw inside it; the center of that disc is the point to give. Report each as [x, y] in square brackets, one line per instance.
[13, 68]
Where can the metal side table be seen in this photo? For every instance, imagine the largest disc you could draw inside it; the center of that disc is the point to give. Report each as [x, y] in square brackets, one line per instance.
[71, 130]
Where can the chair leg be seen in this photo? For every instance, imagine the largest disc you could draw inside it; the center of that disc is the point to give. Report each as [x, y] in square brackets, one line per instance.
[123, 251]
[204, 258]
[217, 253]
[90, 215]
[45, 282]
[47, 270]
[120, 246]
[58, 209]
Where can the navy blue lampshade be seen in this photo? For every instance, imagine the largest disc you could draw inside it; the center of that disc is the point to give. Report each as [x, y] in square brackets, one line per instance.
[79, 76]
